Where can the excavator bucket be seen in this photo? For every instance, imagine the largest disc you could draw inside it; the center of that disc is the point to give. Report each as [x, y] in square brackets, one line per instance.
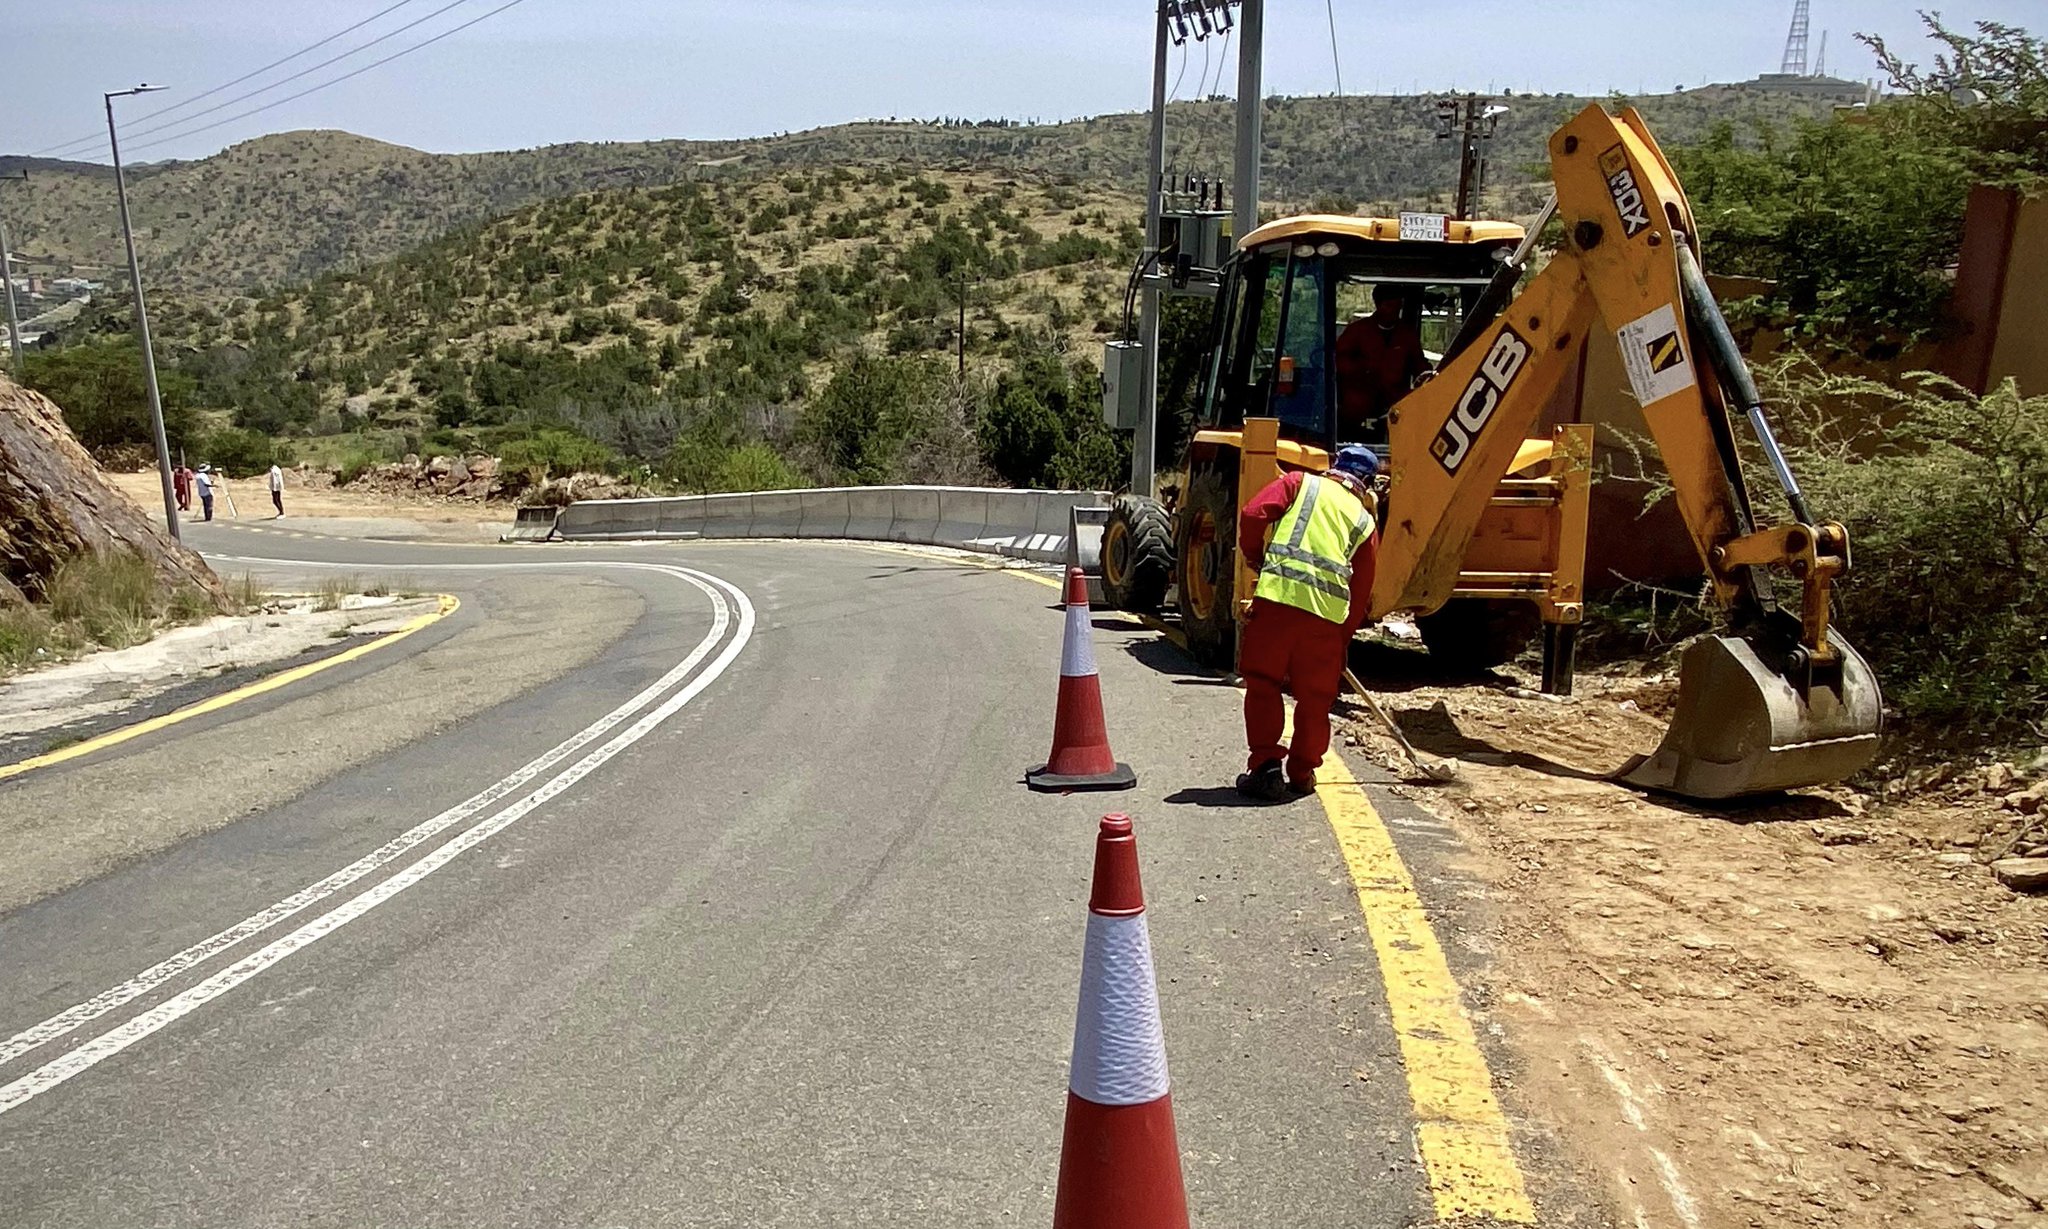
[1742, 727]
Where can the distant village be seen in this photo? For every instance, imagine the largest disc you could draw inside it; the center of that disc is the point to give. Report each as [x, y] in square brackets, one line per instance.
[45, 304]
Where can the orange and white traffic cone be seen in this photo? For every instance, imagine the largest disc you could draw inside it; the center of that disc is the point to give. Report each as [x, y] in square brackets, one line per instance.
[1119, 1159]
[1080, 757]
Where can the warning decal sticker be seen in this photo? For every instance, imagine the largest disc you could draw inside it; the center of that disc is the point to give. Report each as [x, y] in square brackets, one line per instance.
[1653, 350]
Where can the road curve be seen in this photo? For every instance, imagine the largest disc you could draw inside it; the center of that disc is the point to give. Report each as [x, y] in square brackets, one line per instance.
[744, 920]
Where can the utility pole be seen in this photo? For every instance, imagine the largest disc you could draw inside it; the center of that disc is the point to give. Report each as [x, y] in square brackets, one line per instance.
[1251, 37]
[1144, 441]
[7, 274]
[156, 403]
[1471, 118]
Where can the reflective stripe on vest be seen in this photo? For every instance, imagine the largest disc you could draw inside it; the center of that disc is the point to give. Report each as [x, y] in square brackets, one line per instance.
[1308, 560]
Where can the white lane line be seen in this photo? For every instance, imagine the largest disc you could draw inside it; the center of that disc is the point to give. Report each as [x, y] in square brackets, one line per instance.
[61, 1069]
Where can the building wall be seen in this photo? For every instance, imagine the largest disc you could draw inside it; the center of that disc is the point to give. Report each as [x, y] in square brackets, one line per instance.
[2020, 346]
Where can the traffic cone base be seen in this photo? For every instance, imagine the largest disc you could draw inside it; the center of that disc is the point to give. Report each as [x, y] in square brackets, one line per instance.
[1080, 758]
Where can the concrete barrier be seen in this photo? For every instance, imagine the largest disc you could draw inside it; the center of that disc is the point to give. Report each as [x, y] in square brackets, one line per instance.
[963, 517]
[531, 525]
[871, 513]
[608, 518]
[1031, 525]
[824, 514]
[777, 514]
[727, 516]
[680, 518]
[916, 514]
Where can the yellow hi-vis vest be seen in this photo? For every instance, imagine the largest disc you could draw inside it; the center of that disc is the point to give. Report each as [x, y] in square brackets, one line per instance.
[1308, 557]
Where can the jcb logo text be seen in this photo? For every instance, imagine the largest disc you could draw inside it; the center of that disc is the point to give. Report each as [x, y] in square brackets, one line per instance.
[1497, 371]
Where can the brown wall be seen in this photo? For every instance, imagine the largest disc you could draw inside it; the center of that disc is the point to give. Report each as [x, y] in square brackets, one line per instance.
[2020, 349]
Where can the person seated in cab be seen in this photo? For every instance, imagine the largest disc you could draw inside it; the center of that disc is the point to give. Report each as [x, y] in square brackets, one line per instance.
[1379, 358]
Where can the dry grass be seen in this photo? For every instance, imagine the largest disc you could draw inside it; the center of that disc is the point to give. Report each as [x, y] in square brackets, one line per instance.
[96, 601]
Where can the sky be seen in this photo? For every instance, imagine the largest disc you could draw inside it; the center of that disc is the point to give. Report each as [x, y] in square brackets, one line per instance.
[548, 71]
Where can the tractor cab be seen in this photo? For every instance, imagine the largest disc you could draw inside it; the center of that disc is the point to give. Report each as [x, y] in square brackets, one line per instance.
[1325, 321]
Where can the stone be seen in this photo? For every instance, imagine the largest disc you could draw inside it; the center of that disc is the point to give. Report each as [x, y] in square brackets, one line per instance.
[1998, 778]
[55, 505]
[2022, 874]
[440, 467]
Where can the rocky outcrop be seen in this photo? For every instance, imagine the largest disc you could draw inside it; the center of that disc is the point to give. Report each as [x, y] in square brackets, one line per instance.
[54, 506]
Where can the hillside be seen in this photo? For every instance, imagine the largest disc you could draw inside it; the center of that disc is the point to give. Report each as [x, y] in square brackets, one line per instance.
[789, 312]
[289, 207]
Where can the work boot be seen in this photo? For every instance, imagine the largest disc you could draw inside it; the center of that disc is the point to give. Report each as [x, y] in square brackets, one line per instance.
[1266, 783]
[1302, 787]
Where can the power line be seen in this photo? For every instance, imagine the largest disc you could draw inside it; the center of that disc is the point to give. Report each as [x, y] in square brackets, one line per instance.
[1175, 91]
[264, 89]
[1330, 7]
[314, 89]
[228, 85]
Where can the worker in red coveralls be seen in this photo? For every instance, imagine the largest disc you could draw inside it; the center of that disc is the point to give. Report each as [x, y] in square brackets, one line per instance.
[1311, 538]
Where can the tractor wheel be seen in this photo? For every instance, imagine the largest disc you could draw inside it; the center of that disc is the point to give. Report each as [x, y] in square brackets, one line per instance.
[1205, 553]
[1471, 635]
[1137, 555]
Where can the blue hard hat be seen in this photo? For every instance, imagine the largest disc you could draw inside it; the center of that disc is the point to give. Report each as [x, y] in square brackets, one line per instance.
[1357, 459]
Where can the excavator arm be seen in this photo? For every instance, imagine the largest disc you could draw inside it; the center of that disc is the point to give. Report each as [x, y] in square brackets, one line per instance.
[1777, 700]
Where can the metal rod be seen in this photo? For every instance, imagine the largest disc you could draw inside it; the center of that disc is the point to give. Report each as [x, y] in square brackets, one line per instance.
[1705, 316]
[1500, 289]
[13, 316]
[156, 405]
[1144, 458]
[1251, 38]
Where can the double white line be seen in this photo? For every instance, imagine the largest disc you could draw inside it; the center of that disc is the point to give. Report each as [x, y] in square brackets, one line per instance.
[731, 613]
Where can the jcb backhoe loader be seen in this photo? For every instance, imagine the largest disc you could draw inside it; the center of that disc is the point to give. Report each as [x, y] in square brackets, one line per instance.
[1484, 530]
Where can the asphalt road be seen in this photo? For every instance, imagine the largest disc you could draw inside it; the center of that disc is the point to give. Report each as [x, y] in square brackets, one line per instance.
[782, 941]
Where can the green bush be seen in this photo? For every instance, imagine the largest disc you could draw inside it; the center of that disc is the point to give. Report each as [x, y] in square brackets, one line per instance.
[551, 452]
[1946, 498]
[755, 467]
[242, 453]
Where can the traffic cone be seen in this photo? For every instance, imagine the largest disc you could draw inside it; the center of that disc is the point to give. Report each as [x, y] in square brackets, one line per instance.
[1080, 757]
[1119, 1159]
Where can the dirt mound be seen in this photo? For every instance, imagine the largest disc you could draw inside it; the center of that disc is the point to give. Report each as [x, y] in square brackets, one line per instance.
[1815, 1009]
[55, 505]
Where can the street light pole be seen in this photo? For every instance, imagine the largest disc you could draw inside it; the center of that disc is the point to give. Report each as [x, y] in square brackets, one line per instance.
[7, 274]
[156, 404]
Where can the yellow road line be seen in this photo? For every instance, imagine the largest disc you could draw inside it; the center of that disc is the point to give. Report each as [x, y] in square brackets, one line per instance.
[215, 703]
[1461, 1131]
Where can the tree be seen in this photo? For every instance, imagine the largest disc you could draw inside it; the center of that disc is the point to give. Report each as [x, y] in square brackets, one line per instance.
[1857, 219]
[99, 386]
[864, 416]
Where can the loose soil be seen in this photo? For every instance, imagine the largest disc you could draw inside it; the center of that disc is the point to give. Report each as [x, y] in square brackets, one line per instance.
[1818, 1009]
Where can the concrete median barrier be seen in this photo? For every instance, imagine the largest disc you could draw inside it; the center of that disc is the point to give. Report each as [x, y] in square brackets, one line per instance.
[531, 525]
[680, 518]
[727, 516]
[963, 517]
[871, 513]
[1019, 524]
[916, 514]
[824, 513]
[608, 518]
[777, 514]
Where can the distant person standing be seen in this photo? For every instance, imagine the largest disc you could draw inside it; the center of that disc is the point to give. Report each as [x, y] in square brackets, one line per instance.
[277, 490]
[203, 480]
[181, 484]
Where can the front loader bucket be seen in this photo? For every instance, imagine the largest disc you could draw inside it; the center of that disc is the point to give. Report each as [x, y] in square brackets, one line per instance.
[1742, 727]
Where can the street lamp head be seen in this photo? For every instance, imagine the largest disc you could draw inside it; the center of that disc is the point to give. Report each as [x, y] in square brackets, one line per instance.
[144, 88]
